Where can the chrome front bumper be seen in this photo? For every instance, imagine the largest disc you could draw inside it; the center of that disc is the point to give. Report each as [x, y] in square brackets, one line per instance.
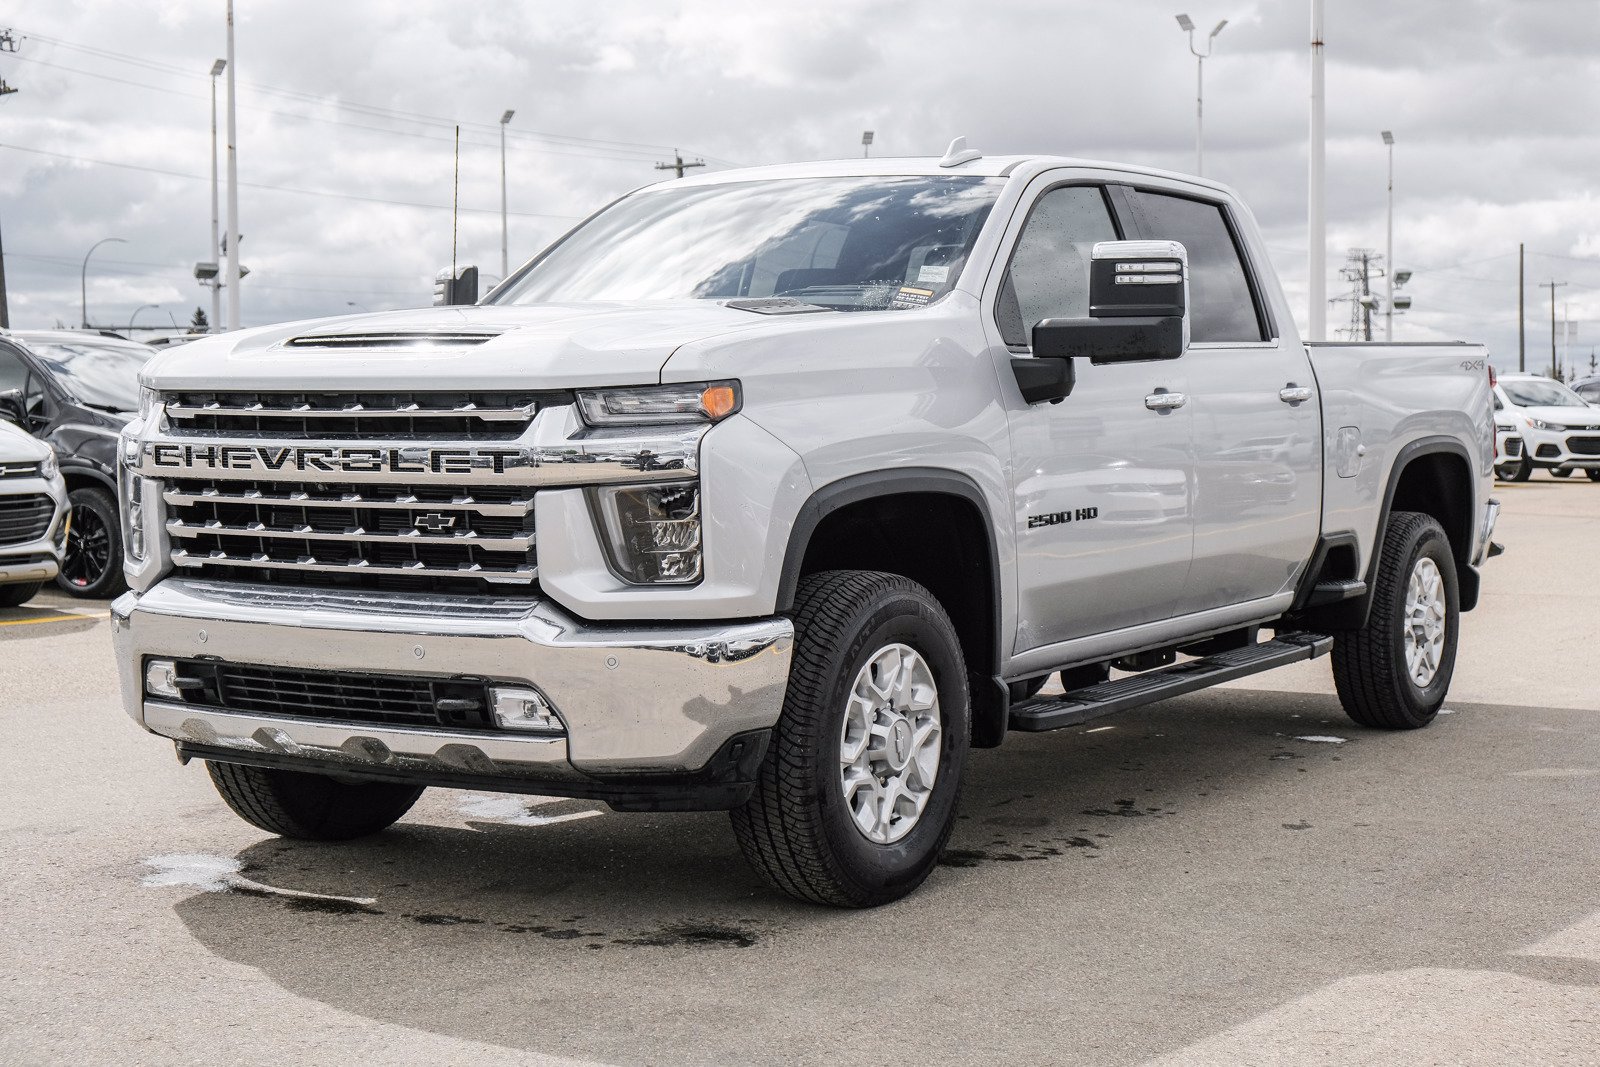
[638, 700]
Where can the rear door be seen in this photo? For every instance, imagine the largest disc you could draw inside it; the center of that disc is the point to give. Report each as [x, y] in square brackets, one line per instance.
[1100, 480]
[1257, 418]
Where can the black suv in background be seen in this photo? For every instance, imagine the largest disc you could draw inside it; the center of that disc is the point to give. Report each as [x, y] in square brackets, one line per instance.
[76, 390]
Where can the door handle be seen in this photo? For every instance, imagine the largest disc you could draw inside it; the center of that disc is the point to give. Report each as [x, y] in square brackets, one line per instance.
[1294, 394]
[1165, 401]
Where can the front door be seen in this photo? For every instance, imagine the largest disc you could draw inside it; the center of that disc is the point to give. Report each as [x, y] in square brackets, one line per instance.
[1100, 481]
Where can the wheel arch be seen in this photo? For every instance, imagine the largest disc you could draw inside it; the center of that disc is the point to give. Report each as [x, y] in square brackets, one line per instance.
[846, 524]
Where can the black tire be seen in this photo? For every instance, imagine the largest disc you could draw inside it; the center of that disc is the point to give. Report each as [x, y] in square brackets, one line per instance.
[1594, 475]
[1518, 470]
[797, 829]
[1560, 472]
[92, 565]
[18, 594]
[312, 807]
[1369, 665]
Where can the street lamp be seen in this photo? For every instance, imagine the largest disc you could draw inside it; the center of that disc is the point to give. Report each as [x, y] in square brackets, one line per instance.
[83, 277]
[1187, 25]
[866, 143]
[216, 240]
[136, 311]
[1388, 252]
[505, 264]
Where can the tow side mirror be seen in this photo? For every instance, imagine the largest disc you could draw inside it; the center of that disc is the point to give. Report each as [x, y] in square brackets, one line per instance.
[1138, 307]
[11, 407]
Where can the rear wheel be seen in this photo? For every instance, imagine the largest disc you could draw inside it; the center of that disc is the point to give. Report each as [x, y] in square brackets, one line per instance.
[1560, 472]
[312, 807]
[857, 794]
[1594, 475]
[92, 563]
[1393, 673]
[12, 596]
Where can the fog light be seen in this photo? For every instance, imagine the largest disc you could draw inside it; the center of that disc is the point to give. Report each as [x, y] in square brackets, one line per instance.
[524, 709]
[652, 532]
[161, 679]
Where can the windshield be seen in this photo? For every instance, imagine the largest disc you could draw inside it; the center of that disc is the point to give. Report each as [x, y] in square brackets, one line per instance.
[1541, 394]
[849, 244]
[101, 375]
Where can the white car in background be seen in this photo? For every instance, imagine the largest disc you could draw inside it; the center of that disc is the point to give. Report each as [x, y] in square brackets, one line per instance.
[33, 515]
[1560, 431]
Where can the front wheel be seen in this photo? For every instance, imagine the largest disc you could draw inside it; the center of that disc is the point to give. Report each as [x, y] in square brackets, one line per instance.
[857, 793]
[92, 563]
[16, 595]
[1393, 673]
[1594, 475]
[312, 807]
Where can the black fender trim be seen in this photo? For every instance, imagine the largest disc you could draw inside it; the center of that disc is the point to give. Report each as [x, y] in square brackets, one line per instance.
[989, 694]
[1353, 614]
[89, 472]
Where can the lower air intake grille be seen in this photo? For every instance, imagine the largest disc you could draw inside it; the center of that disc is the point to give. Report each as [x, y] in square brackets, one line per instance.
[336, 696]
[1584, 446]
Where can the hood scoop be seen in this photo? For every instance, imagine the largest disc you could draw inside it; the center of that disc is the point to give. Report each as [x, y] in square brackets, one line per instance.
[368, 339]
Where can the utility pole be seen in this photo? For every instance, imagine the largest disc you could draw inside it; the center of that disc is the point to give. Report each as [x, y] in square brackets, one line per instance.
[505, 261]
[215, 324]
[1365, 303]
[1552, 285]
[1522, 292]
[8, 43]
[1316, 220]
[678, 164]
[5, 311]
[233, 185]
[455, 205]
[1388, 251]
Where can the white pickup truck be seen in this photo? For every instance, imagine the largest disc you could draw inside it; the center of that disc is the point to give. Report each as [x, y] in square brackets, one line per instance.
[776, 490]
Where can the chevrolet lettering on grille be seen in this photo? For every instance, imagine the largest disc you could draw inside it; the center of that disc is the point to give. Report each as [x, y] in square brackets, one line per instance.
[247, 459]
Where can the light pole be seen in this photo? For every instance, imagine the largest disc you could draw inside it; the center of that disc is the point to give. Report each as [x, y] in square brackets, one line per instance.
[136, 311]
[1316, 216]
[1388, 252]
[866, 143]
[216, 239]
[1187, 25]
[353, 304]
[505, 262]
[233, 186]
[83, 277]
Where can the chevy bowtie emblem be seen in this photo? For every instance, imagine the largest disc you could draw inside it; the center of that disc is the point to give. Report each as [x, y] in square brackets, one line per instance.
[433, 522]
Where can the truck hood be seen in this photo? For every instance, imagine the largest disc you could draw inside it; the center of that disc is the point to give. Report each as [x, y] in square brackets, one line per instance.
[1564, 416]
[548, 346]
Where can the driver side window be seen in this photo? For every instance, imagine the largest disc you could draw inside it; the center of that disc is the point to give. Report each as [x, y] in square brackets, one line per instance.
[1049, 273]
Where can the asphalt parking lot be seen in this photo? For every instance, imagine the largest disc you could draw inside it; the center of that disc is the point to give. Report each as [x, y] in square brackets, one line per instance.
[1239, 876]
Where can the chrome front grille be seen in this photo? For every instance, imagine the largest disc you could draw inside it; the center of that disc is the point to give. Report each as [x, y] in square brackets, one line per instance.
[463, 416]
[388, 536]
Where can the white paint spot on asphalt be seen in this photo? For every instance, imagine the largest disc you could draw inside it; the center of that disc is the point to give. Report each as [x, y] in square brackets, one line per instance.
[1447, 711]
[1556, 772]
[1324, 739]
[216, 874]
[1097, 729]
[517, 811]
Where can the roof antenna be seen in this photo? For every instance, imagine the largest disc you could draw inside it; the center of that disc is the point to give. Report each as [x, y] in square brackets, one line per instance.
[958, 153]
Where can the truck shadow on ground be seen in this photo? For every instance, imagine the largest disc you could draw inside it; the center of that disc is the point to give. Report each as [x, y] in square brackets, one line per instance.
[518, 935]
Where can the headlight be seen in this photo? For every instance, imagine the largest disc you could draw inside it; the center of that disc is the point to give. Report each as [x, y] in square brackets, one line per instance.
[50, 466]
[1540, 424]
[659, 404]
[130, 487]
[147, 401]
[651, 532]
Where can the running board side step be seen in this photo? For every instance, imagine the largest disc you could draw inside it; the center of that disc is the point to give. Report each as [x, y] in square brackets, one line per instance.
[1081, 705]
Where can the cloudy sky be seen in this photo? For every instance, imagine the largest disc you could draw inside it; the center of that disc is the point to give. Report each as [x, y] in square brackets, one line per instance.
[347, 113]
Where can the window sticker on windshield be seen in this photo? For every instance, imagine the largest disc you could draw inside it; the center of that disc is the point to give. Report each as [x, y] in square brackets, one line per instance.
[933, 275]
[909, 297]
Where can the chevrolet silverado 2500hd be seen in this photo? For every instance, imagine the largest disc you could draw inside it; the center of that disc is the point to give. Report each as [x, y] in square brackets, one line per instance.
[774, 491]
